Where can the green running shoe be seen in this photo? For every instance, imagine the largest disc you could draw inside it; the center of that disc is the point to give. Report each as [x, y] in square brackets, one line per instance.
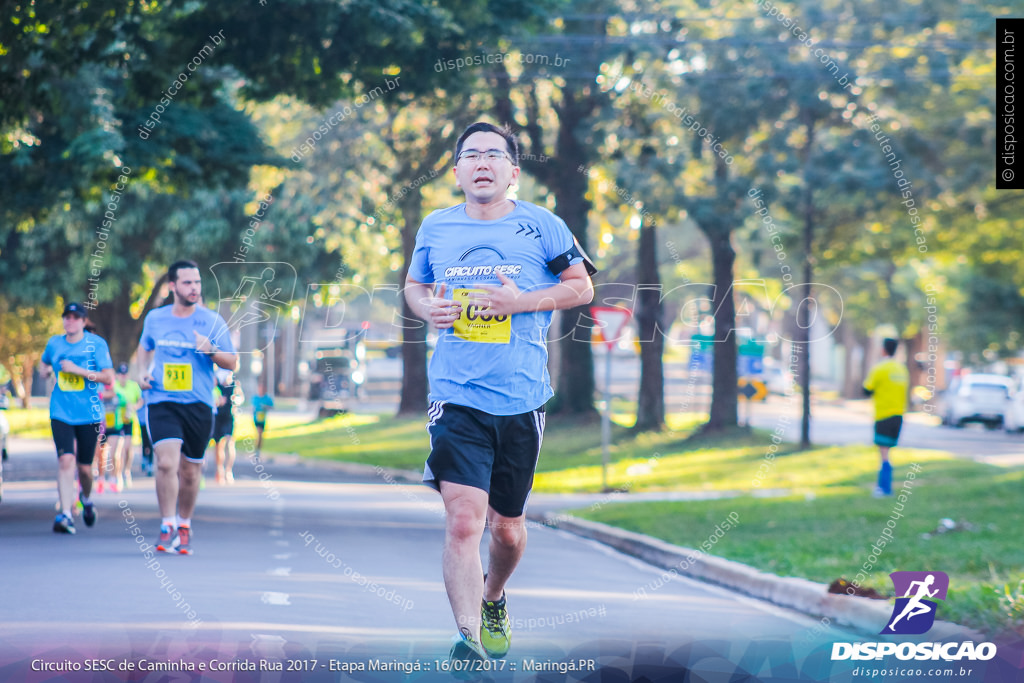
[466, 657]
[495, 629]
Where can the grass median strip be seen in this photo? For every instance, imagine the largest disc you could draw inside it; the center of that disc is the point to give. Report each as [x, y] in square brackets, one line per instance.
[829, 531]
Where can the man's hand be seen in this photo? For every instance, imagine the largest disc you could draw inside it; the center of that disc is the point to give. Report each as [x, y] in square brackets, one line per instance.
[146, 381]
[203, 344]
[443, 312]
[501, 300]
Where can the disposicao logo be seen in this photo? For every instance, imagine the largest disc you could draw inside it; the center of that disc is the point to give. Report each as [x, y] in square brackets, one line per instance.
[914, 612]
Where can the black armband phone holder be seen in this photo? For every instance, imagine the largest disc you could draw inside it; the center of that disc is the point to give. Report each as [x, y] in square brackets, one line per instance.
[560, 263]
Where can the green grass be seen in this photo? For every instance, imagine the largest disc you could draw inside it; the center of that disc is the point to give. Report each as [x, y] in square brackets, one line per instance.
[570, 459]
[368, 439]
[826, 531]
[29, 423]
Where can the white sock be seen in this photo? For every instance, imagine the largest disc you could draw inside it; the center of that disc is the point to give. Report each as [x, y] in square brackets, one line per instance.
[185, 522]
[169, 521]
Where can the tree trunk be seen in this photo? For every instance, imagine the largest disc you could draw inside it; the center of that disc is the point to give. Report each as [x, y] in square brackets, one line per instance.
[851, 372]
[413, 399]
[650, 410]
[724, 389]
[915, 345]
[804, 313]
[575, 383]
[117, 327]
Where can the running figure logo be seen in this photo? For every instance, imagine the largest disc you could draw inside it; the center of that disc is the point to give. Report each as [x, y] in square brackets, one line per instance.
[260, 292]
[913, 613]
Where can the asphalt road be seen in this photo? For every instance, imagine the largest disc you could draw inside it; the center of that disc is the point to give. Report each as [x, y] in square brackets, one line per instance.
[839, 422]
[852, 422]
[336, 573]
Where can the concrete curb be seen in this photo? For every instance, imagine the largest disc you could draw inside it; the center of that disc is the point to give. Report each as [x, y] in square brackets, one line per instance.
[862, 614]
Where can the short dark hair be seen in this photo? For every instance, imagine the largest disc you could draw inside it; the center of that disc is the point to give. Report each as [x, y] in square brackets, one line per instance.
[172, 272]
[484, 127]
[890, 344]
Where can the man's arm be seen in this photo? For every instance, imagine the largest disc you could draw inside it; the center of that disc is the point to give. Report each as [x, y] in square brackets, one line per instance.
[869, 383]
[145, 359]
[225, 359]
[436, 310]
[574, 288]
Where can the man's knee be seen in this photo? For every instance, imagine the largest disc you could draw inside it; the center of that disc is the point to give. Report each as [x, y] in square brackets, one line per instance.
[508, 531]
[465, 524]
[167, 466]
[190, 470]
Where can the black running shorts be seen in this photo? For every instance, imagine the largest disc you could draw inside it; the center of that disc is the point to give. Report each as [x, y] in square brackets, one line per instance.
[223, 424]
[65, 437]
[189, 423]
[495, 453]
[147, 445]
[887, 431]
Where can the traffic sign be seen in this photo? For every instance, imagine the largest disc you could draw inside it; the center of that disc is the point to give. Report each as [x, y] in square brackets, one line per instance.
[752, 389]
[704, 342]
[701, 361]
[748, 366]
[750, 348]
[611, 323]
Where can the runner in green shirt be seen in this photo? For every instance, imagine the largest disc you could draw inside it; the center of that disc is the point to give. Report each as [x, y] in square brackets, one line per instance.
[130, 394]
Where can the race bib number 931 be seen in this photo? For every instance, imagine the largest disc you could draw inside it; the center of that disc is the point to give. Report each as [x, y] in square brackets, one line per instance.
[177, 377]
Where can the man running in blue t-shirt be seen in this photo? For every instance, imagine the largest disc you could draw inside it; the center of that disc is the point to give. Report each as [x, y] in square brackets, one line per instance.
[487, 274]
[179, 347]
[83, 365]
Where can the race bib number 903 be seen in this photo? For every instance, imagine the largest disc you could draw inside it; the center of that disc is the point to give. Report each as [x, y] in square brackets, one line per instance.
[70, 382]
[177, 377]
[472, 326]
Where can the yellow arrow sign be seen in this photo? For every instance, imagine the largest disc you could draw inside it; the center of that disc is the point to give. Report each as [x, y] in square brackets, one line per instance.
[752, 389]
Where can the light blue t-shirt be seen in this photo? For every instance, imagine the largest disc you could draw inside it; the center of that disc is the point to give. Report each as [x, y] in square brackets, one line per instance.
[180, 373]
[75, 399]
[260, 405]
[495, 365]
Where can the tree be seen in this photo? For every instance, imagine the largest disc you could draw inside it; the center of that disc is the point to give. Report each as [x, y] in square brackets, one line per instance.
[559, 142]
[25, 332]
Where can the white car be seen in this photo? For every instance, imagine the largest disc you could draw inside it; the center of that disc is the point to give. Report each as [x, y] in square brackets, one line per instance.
[977, 398]
[778, 380]
[1014, 420]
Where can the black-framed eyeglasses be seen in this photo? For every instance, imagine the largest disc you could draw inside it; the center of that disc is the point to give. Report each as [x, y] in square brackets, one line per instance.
[473, 155]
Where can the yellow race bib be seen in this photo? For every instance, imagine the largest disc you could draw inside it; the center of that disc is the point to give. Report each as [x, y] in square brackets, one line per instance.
[472, 326]
[70, 382]
[177, 377]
